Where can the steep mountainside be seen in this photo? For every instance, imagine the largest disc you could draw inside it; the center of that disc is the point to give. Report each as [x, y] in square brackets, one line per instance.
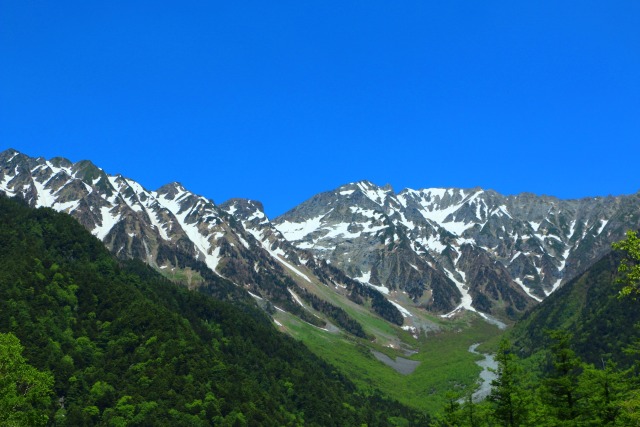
[453, 248]
[439, 249]
[189, 238]
[127, 347]
[602, 325]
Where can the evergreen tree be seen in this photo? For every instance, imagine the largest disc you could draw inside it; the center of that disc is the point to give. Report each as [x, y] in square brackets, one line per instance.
[560, 388]
[603, 390]
[508, 396]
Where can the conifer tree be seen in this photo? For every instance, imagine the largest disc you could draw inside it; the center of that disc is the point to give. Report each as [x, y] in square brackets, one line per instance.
[560, 388]
[507, 395]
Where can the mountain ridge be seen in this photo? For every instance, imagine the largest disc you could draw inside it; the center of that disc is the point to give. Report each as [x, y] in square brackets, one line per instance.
[443, 250]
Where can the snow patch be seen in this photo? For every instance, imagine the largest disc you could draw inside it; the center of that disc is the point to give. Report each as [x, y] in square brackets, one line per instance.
[296, 297]
[466, 299]
[403, 311]
[153, 217]
[412, 330]
[45, 197]
[603, 224]
[433, 243]
[255, 296]
[365, 279]
[4, 184]
[376, 195]
[108, 222]
[293, 231]
[563, 262]
[526, 289]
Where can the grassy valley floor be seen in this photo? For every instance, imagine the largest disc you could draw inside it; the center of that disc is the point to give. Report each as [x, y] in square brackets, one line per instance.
[445, 364]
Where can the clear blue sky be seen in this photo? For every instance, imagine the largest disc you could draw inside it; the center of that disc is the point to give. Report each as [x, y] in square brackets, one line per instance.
[280, 100]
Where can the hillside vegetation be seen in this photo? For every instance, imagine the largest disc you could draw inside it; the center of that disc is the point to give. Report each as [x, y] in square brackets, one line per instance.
[574, 359]
[125, 346]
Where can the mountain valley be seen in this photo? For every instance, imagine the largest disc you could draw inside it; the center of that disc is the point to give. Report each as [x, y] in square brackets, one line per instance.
[360, 273]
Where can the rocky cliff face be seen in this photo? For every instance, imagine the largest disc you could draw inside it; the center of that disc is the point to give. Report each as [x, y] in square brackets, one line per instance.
[186, 236]
[455, 248]
[443, 250]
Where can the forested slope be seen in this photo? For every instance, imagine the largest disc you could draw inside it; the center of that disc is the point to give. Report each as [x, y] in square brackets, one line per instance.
[128, 347]
[600, 323]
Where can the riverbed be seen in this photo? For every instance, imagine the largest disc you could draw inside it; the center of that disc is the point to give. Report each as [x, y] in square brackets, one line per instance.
[486, 376]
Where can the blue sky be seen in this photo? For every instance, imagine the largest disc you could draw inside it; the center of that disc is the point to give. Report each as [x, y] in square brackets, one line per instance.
[277, 101]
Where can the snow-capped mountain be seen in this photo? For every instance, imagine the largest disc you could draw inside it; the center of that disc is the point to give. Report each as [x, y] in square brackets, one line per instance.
[455, 248]
[438, 249]
[189, 237]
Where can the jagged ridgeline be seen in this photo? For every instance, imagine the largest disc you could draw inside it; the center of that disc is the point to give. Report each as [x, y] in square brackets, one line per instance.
[126, 346]
[192, 240]
[459, 248]
[437, 250]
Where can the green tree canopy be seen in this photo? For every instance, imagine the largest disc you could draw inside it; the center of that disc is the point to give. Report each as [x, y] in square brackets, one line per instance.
[24, 391]
[630, 265]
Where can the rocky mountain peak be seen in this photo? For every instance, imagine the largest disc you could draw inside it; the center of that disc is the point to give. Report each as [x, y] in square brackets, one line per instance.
[244, 209]
[441, 249]
[171, 190]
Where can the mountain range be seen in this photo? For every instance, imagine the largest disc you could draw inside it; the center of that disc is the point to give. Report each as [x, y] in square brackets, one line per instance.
[392, 254]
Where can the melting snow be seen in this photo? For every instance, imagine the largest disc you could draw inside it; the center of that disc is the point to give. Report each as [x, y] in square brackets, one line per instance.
[466, 300]
[295, 297]
[67, 206]
[292, 268]
[256, 215]
[108, 221]
[433, 243]
[277, 254]
[376, 195]
[514, 256]
[572, 228]
[153, 216]
[526, 289]
[201, 242]
[412, 329]
[298, 230]
[403, 311]
[244, 242]
[4, 183]
[254, 295]
[340, 230]
[560, 268]
[45, 197]
[602, 225]
[365, 279]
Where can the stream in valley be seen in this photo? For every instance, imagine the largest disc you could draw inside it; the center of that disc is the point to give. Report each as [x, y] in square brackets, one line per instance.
[486, 376]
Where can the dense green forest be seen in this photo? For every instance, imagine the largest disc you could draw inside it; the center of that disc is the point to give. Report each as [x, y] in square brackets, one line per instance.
[89, 340]
[602, 324]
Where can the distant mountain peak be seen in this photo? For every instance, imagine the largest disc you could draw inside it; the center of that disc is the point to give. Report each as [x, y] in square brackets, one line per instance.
[440, 249]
